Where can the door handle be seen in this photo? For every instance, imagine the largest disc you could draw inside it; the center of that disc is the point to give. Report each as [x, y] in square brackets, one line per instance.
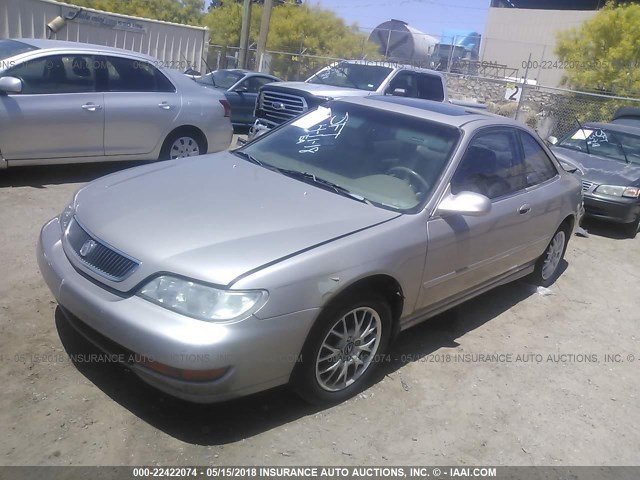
[164, 106]
[91, 107]
[526, 208]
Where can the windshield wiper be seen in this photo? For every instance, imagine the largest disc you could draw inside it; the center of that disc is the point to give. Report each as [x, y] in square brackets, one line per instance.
[311, 178]
[346, 75]
[248, 157]
[626, 159]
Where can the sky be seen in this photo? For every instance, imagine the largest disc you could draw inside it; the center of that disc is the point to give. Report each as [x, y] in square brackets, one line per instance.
[429, 16]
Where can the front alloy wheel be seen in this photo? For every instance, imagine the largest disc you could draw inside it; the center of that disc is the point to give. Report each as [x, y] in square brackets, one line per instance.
[343, 349]
[348, 349]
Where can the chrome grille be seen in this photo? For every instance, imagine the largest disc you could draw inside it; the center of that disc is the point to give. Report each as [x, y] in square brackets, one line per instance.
[586, 185]
[97, 256]
[281, 107]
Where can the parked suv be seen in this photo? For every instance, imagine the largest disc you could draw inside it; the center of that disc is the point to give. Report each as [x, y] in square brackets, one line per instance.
[65, 102]
[280, 102]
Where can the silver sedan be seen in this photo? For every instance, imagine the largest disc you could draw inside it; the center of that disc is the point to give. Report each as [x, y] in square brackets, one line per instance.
[298, 258]
[66, 102]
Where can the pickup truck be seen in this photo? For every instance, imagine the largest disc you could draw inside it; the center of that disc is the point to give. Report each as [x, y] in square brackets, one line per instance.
[278, 103]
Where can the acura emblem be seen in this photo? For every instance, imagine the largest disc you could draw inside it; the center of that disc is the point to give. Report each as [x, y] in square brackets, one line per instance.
[87, 248]
[278, 106]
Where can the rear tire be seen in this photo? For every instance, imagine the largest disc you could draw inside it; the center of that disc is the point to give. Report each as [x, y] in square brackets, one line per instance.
[182, 144]
[547, 267]
[343, 350]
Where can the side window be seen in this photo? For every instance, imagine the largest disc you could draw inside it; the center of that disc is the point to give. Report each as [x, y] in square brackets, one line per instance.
[430, 87]
[254, 83]
[405, 81]
[56, 74]
[491, 166]
[539, 168]
[127, 75]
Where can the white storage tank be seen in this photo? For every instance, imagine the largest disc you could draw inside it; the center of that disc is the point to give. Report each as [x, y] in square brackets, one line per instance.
[399, 42]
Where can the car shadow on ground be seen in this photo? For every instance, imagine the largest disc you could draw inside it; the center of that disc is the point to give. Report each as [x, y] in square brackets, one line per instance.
[615, 231]
[41, 175]
[231, 421]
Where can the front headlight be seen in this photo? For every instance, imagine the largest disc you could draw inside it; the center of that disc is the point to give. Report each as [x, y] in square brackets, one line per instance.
[65, 217]
[202, 301]
[618, 191]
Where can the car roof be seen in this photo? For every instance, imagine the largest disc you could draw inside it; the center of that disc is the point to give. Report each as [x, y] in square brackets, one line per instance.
[446, 113]
[61, 45]
[389, 65]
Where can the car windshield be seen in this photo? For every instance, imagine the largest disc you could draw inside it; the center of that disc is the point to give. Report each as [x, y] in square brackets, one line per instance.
[11, 48]
[352, 75]
[221, 78]
[608, 143]
[387, 159]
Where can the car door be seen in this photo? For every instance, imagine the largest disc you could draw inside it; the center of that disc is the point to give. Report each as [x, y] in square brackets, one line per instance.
[141, 105]
[544, 199]
[467, 253]
[58, 114]
[242, 98]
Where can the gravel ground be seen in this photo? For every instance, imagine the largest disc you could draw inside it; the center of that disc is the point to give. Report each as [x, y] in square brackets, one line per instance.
[551, 397]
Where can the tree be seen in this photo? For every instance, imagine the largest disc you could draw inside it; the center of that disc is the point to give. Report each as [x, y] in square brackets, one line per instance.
[189, 12]
[294, 29]
[603, 54]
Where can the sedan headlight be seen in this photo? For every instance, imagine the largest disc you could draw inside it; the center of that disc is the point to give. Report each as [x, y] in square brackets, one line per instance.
[202, 301]
[65, 217]
[618, 191]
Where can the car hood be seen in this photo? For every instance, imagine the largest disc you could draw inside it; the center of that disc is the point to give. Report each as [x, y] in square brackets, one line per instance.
[215, 217]
[322, 90]
[600, 170]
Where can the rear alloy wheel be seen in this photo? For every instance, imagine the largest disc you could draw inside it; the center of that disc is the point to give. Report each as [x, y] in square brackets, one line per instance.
[342, 351]
[548, 265]
[181, 145]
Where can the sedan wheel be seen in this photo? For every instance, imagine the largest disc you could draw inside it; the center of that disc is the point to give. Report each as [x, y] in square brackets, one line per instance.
[184, 147]
[343, 349]
[554, 253]
[548, 265]
[348, 349]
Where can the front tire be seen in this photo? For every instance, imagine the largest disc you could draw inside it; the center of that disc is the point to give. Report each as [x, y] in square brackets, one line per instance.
[547, 267]
[343, 350]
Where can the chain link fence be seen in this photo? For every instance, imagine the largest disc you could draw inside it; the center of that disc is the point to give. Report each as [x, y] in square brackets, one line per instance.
[548, 110]
[285, 65]
[556, 111]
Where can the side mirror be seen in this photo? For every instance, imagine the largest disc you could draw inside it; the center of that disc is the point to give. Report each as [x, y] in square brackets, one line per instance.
[464, 203]
[399, 92]
[551, 140]
[10, 85]
[241, 89]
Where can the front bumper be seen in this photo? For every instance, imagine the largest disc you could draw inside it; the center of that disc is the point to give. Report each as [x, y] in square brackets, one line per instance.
[258, 353]
[619, 210]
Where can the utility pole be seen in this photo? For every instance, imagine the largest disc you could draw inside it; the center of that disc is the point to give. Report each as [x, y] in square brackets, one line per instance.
[244, 35]
[264, 32]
